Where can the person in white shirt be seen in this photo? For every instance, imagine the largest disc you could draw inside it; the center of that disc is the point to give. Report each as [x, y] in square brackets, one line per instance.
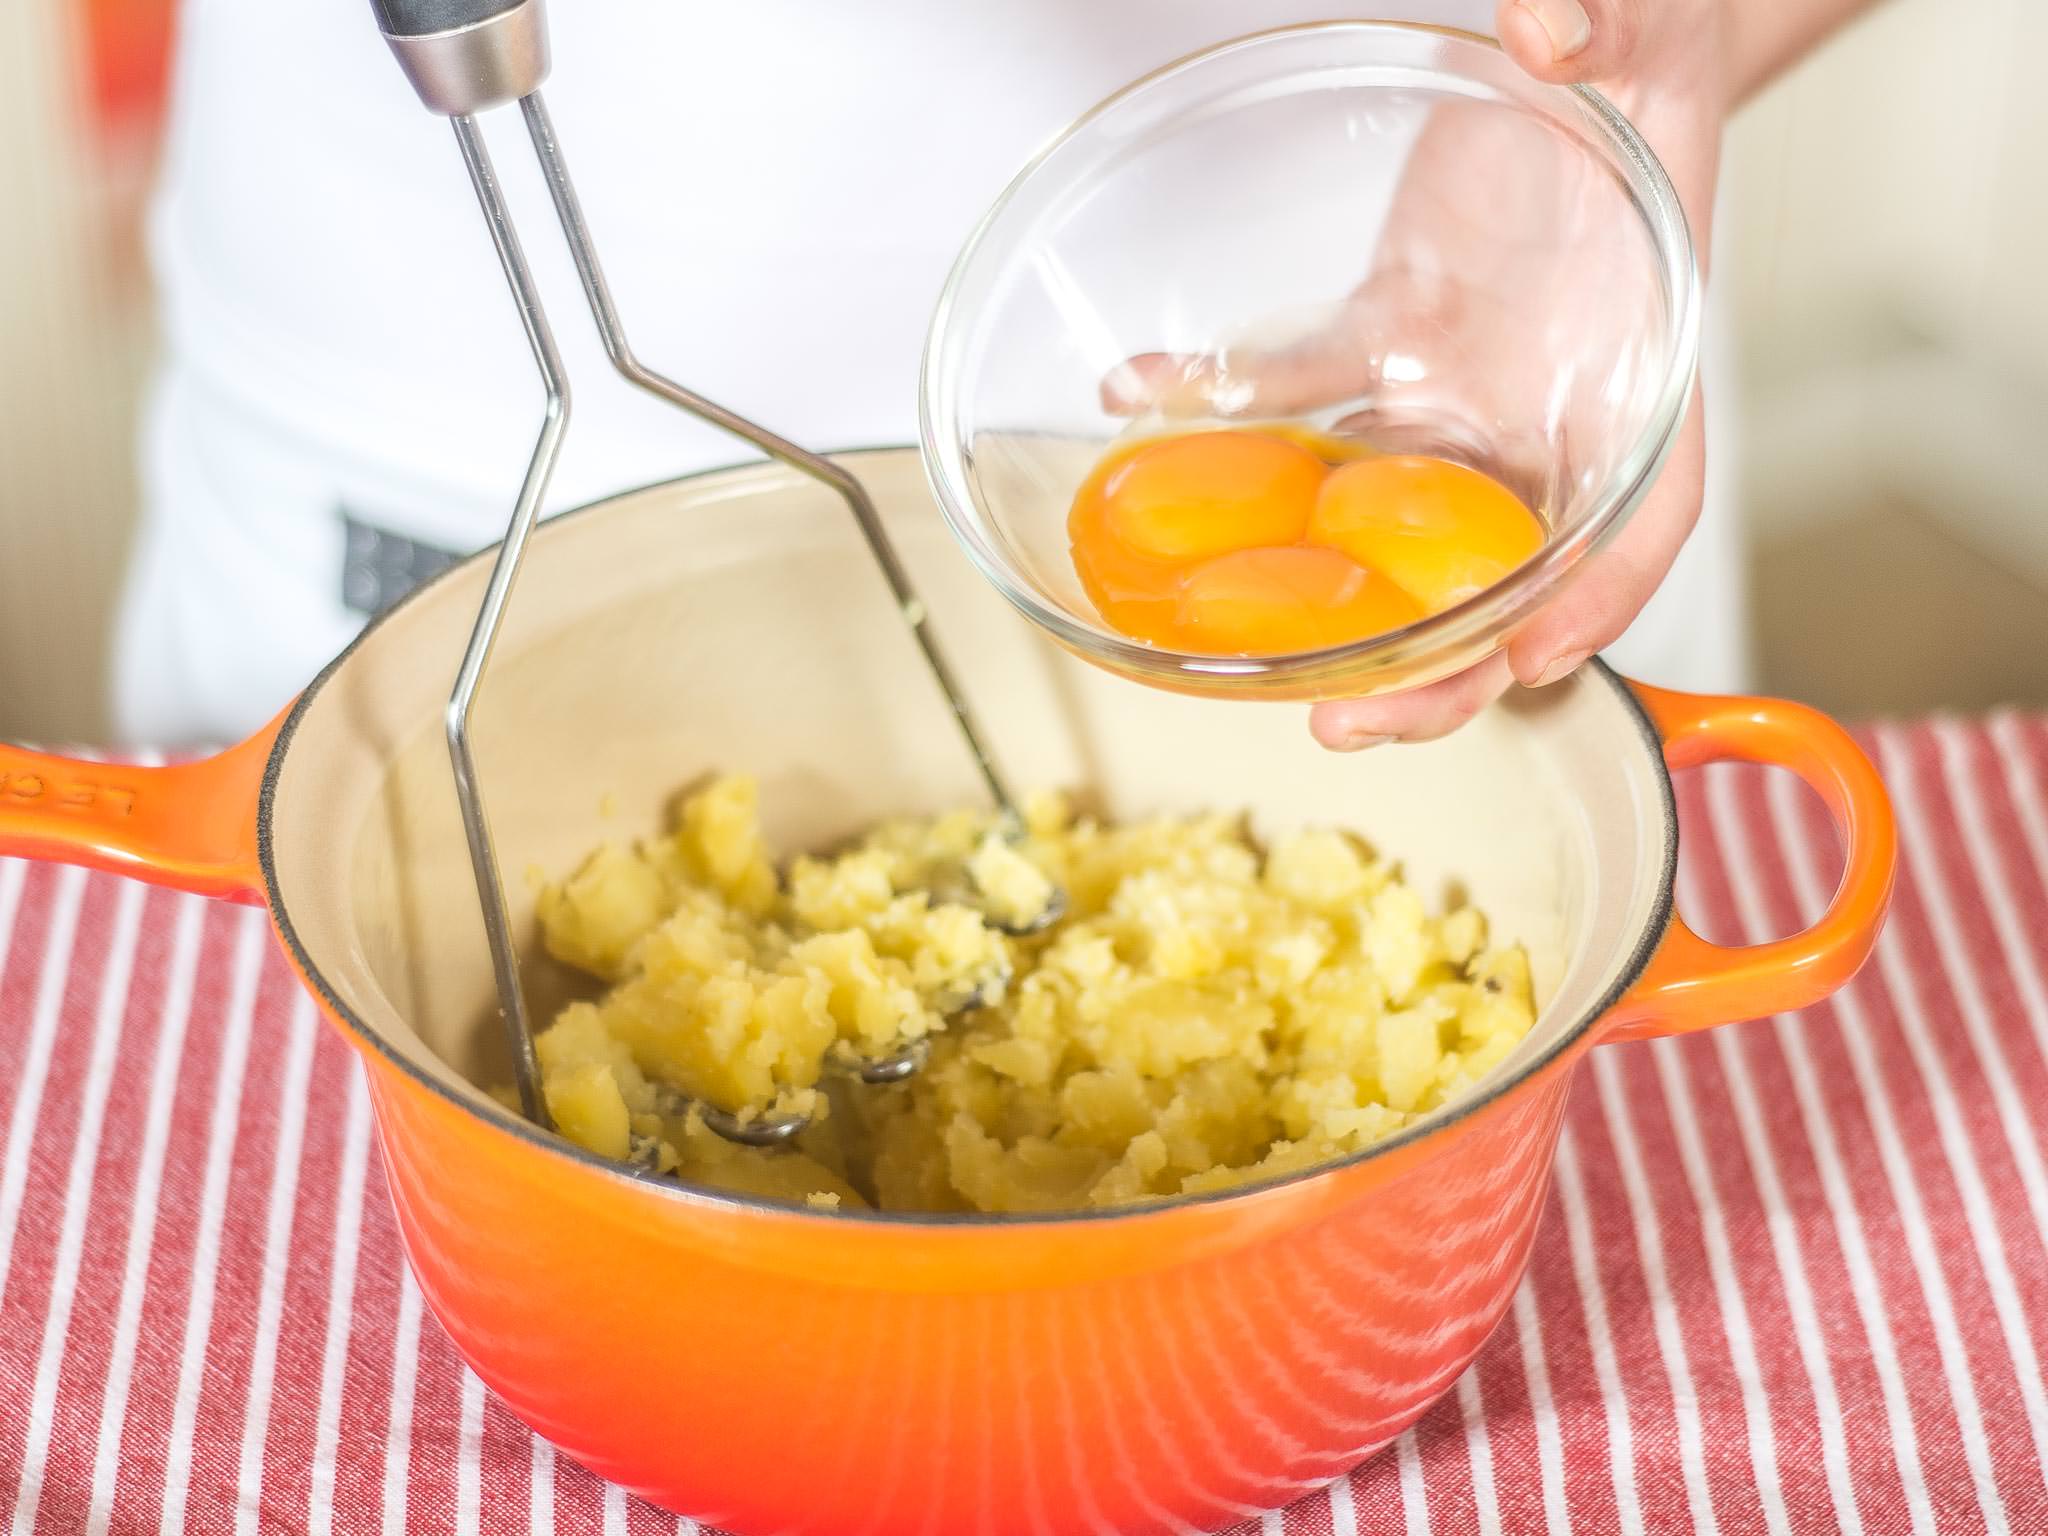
[779, 188]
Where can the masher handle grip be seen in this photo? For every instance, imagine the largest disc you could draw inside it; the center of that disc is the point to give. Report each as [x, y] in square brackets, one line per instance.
[465, 56]
[418, 18]
[1692, 984]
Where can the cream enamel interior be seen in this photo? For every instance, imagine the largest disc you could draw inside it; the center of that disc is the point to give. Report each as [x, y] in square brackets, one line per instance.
[734, 622]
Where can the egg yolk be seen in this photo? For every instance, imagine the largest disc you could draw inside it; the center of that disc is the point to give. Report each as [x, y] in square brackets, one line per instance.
[1290, 597]
[1439, 530]
[1187, 498]
[1266, 542]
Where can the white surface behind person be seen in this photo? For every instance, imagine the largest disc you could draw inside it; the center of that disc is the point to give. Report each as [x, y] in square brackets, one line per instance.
[778, 189]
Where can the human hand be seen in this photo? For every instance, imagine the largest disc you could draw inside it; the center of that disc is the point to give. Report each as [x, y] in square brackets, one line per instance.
[1485, 305]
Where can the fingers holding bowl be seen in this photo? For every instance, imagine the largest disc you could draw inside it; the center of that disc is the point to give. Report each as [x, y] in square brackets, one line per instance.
[1284, 382]
[1604, 595]
[1413, 714]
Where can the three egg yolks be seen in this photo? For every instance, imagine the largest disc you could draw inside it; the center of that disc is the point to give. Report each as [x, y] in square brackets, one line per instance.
[1243, 543]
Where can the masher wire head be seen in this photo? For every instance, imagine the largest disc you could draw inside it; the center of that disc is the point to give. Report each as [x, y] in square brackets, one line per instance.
[464, 57]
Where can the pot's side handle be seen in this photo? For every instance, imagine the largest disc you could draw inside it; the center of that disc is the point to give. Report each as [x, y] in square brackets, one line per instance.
[190, 826]
[1691, 984]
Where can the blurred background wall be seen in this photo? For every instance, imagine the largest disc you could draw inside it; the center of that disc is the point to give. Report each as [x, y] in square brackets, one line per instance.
[1884, 252]
[80, 89]
[1886, 267]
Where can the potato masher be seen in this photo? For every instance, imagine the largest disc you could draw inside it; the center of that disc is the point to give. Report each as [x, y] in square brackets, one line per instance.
[465, 57]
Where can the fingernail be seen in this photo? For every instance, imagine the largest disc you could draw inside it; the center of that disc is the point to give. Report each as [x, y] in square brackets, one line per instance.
[1358, 741]
[1567, 23]
[1560, 668]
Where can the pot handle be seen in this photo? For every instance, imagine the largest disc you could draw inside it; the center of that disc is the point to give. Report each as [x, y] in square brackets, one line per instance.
[189, 826]
[1691, 984]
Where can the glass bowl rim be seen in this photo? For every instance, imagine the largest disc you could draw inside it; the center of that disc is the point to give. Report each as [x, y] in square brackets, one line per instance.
[1616, 501]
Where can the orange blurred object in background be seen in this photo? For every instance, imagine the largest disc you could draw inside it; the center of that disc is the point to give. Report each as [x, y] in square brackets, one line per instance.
[127, 47]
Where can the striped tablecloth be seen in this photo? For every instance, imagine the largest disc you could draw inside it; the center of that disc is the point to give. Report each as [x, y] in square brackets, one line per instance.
[1793, 1278]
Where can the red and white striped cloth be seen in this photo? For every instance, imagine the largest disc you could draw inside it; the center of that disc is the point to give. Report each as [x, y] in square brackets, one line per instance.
[1795, 1278]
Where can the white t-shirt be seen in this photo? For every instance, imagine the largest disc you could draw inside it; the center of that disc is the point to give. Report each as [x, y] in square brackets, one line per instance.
[778, 189]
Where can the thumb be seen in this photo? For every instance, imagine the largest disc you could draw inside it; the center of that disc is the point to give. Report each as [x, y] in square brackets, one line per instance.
[1569, 42]
[1280, 383]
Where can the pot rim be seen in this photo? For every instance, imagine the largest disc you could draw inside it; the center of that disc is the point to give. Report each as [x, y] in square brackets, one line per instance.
[665, 1187]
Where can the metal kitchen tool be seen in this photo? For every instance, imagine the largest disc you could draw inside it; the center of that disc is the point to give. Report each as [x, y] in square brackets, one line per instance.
[466, 57]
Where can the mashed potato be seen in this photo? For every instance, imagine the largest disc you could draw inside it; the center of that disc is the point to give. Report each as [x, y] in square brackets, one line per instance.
[1207, 1013]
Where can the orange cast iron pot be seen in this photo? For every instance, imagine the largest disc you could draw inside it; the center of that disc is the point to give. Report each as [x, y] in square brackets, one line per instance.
[773, 1369]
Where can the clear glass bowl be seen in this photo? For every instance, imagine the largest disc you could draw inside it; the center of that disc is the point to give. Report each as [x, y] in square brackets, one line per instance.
[1459, 259]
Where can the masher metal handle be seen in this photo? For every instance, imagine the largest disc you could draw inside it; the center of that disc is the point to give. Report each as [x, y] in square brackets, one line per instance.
[465, 57]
